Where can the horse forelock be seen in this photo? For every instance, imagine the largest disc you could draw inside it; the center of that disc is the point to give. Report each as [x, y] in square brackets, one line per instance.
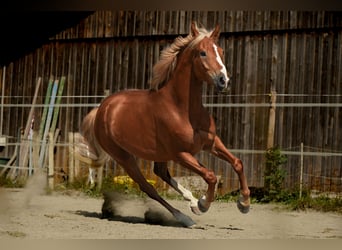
[164, 68]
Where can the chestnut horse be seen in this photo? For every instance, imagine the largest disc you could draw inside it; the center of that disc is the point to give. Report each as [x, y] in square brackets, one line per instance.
[169, 122]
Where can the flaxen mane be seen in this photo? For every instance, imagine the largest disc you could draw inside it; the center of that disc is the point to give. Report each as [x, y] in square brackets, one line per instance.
[163, 69]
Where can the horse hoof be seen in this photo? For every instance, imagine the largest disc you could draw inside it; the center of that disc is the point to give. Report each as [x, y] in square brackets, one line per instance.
[185, 220]
[201, 205]
[244, 208]
[196, 210]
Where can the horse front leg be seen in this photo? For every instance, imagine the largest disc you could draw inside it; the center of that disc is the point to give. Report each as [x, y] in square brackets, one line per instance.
[222, 152]
[160, 169]
[190, 162]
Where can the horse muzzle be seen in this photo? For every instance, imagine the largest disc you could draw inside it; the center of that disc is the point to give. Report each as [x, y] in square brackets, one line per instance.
[222, 83]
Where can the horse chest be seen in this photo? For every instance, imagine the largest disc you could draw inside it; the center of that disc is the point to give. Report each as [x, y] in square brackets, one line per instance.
[191, 140]
[186, 132]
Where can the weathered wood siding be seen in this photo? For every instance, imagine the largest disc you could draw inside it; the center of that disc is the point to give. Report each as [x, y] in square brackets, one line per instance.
[299, 54]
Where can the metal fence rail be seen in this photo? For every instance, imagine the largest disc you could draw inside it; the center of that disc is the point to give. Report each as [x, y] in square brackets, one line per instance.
[301, 179]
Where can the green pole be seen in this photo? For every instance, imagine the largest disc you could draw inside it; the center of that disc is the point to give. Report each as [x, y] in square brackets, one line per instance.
[45, 110]
[58, 101]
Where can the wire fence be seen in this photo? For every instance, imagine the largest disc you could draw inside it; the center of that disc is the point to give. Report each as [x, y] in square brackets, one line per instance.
[303, 175]
[264, 51]
[305, 179]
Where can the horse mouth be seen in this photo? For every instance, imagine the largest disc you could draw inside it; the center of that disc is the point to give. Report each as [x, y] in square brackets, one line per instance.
[222, 83]
[224, 90]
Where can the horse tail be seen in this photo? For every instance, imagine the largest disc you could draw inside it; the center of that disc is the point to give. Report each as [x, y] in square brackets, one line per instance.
[89, 150]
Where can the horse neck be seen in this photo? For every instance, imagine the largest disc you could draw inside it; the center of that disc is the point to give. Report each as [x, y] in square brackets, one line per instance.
[185, 88]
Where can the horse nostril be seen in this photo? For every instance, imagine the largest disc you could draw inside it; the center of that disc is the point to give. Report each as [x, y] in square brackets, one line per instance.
[222, 81]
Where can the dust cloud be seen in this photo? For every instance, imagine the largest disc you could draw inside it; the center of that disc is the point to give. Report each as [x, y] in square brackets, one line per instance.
[5, 205]
[35, 186]
[121, 207]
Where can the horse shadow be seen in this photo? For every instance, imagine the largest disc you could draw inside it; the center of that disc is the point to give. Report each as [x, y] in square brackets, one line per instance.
[150, 217]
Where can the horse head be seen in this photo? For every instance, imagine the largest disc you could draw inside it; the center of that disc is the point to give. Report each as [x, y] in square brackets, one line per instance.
[208, 62]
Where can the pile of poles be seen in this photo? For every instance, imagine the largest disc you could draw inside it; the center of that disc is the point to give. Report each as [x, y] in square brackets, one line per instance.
[34, 151]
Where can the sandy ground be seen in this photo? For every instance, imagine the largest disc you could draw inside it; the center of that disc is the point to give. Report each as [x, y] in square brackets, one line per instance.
[31, 214]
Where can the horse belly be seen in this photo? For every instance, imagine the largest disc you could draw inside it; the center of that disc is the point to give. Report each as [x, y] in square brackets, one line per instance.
[136, 141]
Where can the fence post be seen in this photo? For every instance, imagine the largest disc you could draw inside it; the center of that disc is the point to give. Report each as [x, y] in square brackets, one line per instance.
[76, 161]
[301, 169]
[271, 120]
[2, 98]
[51, 161]
[71, 157]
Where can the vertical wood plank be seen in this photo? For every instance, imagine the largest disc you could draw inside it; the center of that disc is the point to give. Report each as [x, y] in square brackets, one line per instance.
[71, 166]
[51, 166]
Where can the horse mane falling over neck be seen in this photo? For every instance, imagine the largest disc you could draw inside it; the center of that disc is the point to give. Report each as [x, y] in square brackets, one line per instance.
[164, 68]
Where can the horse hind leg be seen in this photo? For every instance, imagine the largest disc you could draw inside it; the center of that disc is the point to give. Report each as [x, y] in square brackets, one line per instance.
[95, 176]
[99, 177]
[160, 169]
[91, 177]
[128, 162]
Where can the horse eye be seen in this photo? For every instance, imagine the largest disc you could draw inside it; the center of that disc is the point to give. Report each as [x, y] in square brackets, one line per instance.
[202, 53]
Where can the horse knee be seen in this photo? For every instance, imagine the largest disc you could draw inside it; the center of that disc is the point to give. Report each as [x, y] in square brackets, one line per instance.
[156, 170]
[238, 166]
[210, 178]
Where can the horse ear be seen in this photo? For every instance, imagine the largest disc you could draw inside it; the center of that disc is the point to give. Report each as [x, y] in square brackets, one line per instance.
[194, 30]
[216, 33]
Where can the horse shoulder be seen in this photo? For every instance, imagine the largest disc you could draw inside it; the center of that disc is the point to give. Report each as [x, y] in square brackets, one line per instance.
[207, 129]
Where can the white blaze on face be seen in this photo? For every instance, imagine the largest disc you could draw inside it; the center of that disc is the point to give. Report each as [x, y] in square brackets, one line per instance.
[219, 60]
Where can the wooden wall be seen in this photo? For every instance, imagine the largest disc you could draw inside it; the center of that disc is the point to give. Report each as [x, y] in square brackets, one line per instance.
[299, 54]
